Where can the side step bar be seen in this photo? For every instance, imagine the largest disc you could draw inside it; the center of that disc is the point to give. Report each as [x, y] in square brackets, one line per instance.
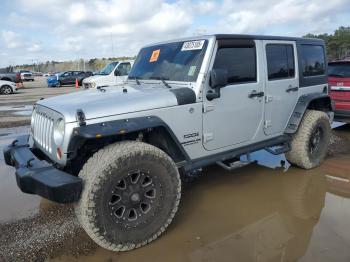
[235, 164]
[277, 150]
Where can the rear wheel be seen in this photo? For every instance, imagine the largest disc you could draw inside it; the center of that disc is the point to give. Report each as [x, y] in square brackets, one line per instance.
[6, 90]
[310, 143]
[131, 194]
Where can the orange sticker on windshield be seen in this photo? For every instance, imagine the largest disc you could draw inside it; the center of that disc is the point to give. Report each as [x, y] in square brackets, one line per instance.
[155, 55]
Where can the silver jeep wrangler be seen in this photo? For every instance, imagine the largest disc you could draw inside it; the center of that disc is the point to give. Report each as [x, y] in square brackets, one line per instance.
[119, 152]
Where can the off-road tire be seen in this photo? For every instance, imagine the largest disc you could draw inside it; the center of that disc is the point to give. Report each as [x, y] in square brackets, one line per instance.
[300, 154]
[100, 176]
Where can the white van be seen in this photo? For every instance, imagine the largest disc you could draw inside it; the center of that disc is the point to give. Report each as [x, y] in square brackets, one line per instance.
[114, 73]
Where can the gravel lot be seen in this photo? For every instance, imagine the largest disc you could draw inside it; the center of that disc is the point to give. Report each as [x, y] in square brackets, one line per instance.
[15, 109]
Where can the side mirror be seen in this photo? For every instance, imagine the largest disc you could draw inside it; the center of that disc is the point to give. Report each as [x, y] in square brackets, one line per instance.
[218, 79]
[116, 72]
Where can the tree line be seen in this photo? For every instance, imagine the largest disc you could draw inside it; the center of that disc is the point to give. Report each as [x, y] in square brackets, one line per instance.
[338, 43]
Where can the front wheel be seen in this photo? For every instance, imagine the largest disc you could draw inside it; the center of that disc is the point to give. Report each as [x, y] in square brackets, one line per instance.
[310, 143]
[131, 194]
[6, 90]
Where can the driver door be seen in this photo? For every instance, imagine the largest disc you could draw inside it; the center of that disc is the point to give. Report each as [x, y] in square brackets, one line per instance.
[235, 117]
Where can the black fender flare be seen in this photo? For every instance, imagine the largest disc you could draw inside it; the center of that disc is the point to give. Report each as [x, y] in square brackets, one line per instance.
[304, 102]
[118, 128]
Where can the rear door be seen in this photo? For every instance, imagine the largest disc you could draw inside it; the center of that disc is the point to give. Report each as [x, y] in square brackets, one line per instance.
[282, 84]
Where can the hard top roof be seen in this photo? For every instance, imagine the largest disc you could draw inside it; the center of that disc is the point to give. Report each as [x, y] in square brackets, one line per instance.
[243, 36]
[265, 37]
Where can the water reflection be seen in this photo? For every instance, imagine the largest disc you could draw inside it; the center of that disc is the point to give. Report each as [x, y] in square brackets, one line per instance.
[250, 214]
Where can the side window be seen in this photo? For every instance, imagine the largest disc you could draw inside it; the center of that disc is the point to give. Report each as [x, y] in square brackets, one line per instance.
[280, 61]
[313, 60]
[240, 63]
[66, 74]
[124, 68]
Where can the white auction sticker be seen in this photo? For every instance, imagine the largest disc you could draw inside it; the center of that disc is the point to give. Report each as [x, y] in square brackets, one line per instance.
[192, 45]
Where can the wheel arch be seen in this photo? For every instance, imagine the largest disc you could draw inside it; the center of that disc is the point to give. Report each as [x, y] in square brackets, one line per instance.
[314, 101]
[88, 139]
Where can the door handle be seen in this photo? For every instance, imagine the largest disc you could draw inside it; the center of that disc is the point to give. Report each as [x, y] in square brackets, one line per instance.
[292, 89]
[254, 94]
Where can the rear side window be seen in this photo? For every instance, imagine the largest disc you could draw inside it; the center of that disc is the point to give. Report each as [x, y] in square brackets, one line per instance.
[240, 63]
[312, 60]
[280, 61]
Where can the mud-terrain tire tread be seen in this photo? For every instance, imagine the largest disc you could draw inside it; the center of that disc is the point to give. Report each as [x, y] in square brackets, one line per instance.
[93, 179]
[298, 155]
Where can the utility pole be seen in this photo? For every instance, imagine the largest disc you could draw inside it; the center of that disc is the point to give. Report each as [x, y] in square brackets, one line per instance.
[112, 42]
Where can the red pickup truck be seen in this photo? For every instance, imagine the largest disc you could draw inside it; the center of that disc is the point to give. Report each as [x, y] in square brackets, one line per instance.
[339, 83]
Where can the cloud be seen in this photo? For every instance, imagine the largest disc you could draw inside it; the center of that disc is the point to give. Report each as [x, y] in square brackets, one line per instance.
[258, 16]
[10, 39]
[64, 29]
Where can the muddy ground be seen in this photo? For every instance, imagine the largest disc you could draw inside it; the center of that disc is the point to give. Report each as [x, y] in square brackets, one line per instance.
[262, 212]
[269, 211]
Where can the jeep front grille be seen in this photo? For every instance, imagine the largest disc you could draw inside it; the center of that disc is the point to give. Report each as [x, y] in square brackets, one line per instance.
[42, 130]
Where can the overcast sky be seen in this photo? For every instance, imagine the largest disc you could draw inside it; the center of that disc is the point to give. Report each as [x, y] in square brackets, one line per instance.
[41, 30]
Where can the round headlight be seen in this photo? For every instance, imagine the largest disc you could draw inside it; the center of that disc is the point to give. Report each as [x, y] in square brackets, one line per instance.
[32, 122]
[93, 84]
[58, 131]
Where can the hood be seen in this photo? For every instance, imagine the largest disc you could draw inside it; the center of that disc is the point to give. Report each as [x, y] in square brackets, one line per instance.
[93, 78]
[113, 101]
[5, 82]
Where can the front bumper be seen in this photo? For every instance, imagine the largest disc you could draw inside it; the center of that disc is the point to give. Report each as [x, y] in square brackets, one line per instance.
[35, 176]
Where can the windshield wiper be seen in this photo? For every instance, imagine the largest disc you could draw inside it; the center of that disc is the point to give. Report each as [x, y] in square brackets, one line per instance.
[161, 79]
[136, 79]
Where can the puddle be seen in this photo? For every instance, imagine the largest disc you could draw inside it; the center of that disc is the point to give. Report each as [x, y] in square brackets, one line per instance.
[268, 211]
[22, 113]
[14, 204]
[250, 214]
[17, 108]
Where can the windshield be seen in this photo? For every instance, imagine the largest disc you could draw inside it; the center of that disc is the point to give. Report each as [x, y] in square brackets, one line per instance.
[179, 61]
[339, 69]
[108, 68]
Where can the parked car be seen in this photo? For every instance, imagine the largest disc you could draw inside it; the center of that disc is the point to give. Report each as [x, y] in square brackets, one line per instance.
[7, 87]
[339, 83]
[26, 75]
[37, 74]
[114, 73]
[13, 77]
[187, 103]
[67, 78]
